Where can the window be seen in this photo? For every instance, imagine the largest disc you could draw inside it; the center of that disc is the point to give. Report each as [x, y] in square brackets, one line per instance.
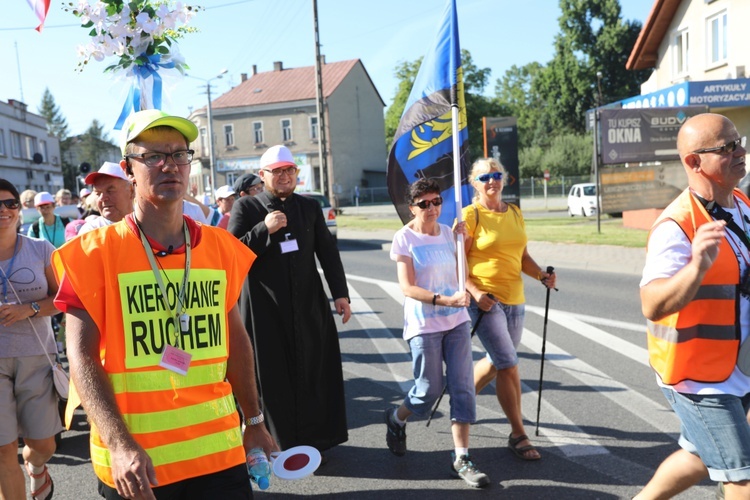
[229, 135]
[15, 144]
[314, 128]
[43, 150]
[30, 147]
[258, 132]
[286, 129]
[2, 143]
[204, 143]
[716, 33]
[231, 177]
[680, 53]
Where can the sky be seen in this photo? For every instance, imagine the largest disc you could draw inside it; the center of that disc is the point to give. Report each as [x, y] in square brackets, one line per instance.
[237, 34]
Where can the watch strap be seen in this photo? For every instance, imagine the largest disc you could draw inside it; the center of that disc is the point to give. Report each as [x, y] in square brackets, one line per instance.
[255, 420]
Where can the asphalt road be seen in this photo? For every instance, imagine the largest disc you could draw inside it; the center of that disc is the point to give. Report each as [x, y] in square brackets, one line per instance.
[604, 426]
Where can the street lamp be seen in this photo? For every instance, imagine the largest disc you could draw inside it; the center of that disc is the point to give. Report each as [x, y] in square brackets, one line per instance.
[209, 118]
[599, 87]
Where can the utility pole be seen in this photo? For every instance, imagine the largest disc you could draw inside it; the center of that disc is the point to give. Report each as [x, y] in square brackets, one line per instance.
[326, 177]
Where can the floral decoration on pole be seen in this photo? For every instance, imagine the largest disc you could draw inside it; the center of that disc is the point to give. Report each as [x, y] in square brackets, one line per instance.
[142, 35]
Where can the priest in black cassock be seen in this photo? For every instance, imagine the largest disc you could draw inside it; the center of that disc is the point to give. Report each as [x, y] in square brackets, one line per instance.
[286, 310]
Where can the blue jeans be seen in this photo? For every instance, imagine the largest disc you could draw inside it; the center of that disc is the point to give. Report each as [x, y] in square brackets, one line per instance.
[428, 351]
[500, 331]
[715, 428]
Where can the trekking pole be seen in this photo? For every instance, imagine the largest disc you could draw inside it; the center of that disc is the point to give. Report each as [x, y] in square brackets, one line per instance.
[445, 387]
[550, 270]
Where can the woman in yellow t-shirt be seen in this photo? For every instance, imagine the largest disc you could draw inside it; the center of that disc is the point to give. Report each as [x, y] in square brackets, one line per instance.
[497, 254]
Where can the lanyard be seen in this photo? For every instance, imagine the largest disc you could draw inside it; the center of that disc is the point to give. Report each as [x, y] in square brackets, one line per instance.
[46, 233]
[180, 303]
[6, 275]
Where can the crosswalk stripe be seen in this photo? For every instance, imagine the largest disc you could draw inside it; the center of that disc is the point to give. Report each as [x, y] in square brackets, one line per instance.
[613, 342]
[634, 402]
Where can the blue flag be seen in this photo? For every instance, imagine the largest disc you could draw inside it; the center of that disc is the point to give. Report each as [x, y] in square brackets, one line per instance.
[423, 143]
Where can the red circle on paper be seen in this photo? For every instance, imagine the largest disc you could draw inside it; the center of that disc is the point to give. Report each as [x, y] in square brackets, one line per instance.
[296, 462]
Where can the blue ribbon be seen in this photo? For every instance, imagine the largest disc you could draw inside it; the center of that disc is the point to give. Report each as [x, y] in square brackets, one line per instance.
[142, 72]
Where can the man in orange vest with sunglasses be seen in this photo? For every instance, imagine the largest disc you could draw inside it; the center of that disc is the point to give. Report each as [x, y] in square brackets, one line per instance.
[157, 348]
[695, 293]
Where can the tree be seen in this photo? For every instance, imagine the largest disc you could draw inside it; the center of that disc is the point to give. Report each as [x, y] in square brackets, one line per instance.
[95, 144]
[57, 125]
[593, 37]
[516, 91]
[406, 72]
[477, 105]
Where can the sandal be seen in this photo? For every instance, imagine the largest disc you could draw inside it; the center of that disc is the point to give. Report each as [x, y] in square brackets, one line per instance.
[520, 451]
[46, 490]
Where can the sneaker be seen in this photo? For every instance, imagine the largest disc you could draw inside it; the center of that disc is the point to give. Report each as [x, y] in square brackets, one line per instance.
[395, 437]
[464, 468]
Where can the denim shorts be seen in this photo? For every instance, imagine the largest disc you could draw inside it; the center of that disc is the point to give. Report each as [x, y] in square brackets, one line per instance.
[428, 352]
[500, 331]
[715, 428]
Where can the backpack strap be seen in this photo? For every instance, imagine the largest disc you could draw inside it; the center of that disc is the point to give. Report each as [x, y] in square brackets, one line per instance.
[35, 230]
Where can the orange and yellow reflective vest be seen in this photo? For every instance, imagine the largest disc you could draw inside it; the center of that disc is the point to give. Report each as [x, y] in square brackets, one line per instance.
[188, 424]
[701, 341]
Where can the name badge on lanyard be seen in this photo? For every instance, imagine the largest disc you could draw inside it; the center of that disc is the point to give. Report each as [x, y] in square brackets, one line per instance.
[173, 358]
[289, 244]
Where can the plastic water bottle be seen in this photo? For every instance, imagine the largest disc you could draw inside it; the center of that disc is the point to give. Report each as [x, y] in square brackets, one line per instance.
[259, 468]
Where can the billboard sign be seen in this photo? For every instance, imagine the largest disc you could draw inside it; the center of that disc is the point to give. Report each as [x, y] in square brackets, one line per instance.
[642, 135]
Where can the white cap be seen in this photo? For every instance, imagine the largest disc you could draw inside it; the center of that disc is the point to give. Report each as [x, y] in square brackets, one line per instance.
[84, 192]
[108, 168]
[43, 198]
[277, 157]
[224, 192]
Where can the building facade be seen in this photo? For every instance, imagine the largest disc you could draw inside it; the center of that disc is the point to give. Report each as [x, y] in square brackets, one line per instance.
[279, 107]
[29, 156]
[698, 51]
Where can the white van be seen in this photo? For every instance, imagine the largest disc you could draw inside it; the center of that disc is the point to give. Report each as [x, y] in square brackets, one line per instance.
[582, 200]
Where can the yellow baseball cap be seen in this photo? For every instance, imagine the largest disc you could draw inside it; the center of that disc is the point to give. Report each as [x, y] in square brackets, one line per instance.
[150, 118]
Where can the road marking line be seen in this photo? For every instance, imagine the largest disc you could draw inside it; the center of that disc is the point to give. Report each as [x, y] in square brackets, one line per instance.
[613, 342]
[634, 402]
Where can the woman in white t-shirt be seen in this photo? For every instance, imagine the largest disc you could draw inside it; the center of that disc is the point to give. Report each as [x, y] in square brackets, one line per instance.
[436, 326]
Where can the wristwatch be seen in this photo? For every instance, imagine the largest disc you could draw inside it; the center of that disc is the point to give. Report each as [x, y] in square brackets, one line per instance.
[255, 420]
[36, 308]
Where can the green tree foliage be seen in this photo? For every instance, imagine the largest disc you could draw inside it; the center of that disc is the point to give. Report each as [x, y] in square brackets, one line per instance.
[95, 144]
[406, 72]
[593, 37]
[516, 91]
[57, 125]
[477, 105]
[567, 154]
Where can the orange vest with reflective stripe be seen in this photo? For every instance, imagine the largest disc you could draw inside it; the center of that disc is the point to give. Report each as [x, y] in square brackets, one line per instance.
[701, 341]
[187, 424]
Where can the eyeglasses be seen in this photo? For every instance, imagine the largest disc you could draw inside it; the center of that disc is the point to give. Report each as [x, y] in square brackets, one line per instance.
[491, 175]
[11, 203]
[290, 171]
[154, 160]
[726, 149]
[425, 204]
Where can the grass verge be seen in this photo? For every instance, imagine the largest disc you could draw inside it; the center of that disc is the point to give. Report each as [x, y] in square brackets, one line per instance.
[584, 231]
[554, 229]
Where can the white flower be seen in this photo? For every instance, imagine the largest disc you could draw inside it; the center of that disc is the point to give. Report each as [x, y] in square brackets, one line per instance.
[145, 22]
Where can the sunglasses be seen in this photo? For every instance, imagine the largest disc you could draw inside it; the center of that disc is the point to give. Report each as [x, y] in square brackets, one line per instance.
[425, 204]
[491, 175]
[726, 149]
[11, 203]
